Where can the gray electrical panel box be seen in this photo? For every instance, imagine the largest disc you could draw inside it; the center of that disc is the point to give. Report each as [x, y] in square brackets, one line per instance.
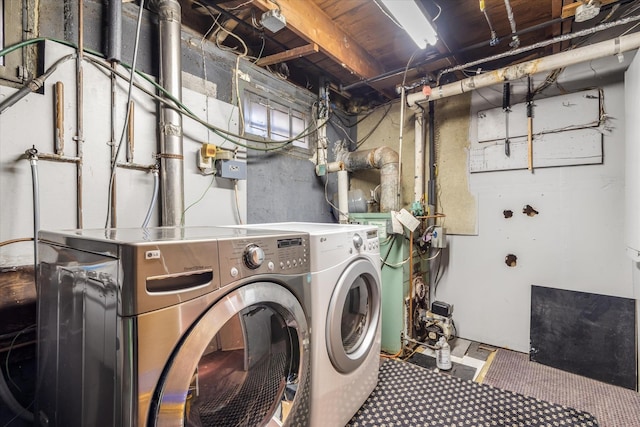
[231, 169]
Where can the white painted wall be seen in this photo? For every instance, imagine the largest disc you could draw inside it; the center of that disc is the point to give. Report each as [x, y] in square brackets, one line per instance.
[30, 122]
[575, 243]
[632, 193]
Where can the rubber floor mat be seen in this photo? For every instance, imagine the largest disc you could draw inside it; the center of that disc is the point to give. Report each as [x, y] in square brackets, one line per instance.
[411, 396]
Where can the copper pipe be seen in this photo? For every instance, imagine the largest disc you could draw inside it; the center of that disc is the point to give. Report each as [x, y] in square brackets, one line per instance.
[59, 119]
[22, 239]
[130, 132]
[14, 346]
[137, 166]
[58, 158]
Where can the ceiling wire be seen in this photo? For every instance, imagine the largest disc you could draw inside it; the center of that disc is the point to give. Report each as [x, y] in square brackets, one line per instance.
[240, 5]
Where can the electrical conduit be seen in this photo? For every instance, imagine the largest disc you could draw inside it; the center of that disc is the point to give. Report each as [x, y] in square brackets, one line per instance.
[154, 198]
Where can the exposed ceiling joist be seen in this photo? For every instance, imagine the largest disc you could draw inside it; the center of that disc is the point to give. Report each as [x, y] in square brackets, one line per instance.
[308, 21]
[297, 52]
[570, 9]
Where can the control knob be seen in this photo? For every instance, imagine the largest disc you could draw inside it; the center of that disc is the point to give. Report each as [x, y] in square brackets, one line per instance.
[253, 256]
[357, 241]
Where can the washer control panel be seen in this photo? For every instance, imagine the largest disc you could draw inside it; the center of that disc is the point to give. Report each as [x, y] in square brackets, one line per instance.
[244, 257]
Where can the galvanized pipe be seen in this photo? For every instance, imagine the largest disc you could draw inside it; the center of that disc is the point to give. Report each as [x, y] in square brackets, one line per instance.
[79, 114]
[113, 218]
[548, 63]
[114, 41]
[383, 158]
[171, 150]
[114, 55]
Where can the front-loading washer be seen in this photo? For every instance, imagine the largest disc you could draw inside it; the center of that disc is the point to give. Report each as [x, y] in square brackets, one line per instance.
[345, 332]
[173, 327]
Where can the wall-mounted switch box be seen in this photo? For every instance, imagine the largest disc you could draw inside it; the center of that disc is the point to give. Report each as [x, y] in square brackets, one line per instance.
[231, 169]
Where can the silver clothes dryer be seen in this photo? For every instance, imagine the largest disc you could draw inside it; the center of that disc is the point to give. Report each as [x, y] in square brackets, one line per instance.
[194, 327]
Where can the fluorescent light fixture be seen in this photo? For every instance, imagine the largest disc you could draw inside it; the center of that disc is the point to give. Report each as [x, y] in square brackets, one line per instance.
[412, 19]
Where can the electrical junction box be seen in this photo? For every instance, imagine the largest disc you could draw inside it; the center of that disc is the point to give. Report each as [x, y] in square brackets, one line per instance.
[273, 20]
[438, 237]
[231, 169]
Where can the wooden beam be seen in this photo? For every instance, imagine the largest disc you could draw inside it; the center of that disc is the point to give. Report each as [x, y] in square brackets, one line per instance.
[229, 26]
[570, 9]
[309, 22]
[556, 29]
[297, 52]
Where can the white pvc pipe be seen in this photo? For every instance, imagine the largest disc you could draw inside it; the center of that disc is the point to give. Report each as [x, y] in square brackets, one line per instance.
[418, 184]
[514, 72]
[343, 196]
[335, 167]
[400, 140]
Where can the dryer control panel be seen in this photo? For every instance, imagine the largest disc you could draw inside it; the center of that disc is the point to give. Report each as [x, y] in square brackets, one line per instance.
[366, 241]
[244, 257]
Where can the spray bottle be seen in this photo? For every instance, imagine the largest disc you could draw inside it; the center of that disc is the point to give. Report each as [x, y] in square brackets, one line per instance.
[443, 354]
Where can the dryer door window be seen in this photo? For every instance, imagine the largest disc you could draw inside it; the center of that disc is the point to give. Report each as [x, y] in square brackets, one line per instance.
[353, 316]
[243, 363]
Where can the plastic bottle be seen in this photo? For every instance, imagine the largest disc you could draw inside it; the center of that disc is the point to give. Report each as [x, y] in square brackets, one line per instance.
[443, 354]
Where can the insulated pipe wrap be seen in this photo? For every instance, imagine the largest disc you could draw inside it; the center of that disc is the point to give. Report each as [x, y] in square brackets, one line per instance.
[385, 159]
[548, 63]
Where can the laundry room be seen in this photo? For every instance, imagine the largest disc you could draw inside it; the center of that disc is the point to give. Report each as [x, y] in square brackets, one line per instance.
[319, 213]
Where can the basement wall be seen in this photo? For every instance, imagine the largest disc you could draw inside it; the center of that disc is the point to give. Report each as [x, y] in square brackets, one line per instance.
[279, 187]
[575, 242]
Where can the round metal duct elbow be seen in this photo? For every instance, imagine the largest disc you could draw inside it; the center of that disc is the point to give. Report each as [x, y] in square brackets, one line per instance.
[385, 159]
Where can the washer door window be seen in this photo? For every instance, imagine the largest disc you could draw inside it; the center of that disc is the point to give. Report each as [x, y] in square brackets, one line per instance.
[244, 363]
[353, 316]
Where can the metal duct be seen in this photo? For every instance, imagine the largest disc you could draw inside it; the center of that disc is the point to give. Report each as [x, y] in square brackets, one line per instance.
[383, 158]
[171, 155]
[514, 72]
